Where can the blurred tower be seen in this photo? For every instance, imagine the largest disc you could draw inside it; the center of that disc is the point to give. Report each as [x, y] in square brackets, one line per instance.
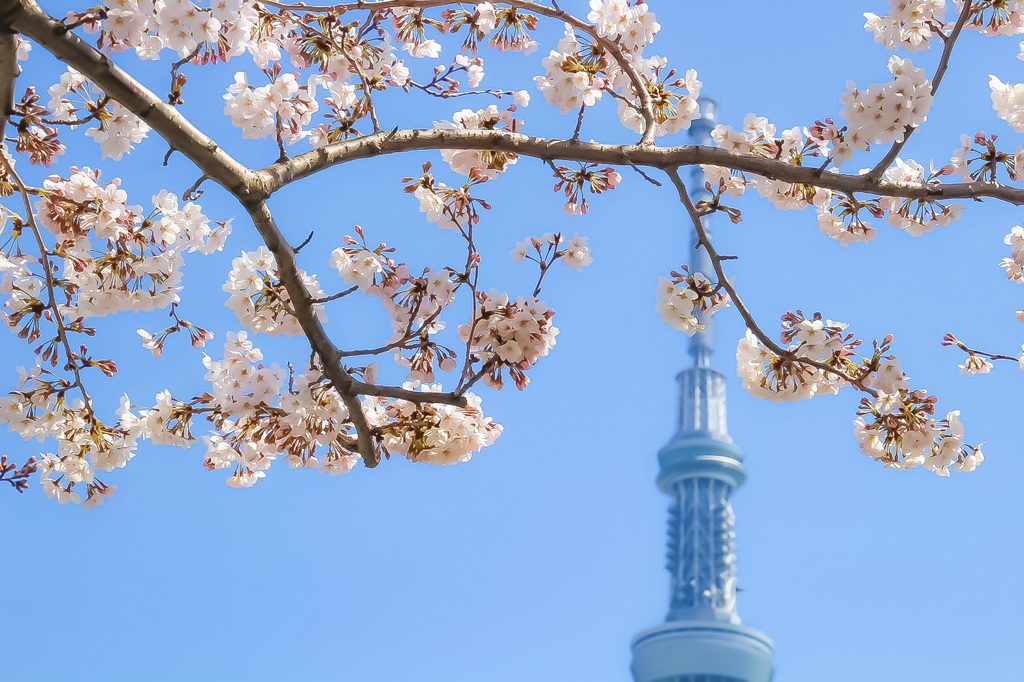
[702, 639]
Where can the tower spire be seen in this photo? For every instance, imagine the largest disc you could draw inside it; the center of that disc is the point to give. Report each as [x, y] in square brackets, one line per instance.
[701, 343]
[700, 468]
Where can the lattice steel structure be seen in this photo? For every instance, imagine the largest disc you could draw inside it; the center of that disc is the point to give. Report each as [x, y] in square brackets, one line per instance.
[702, 639]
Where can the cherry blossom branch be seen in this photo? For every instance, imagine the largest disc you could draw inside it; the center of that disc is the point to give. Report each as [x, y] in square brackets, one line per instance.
[44, 261]
[278, 175]
[365, 83]
[192, 192]
[646, 108]
[950, 340]
[26, 17]
[940, 71]
[471, 277]
[289, 275]
[408, 336]
[281, 153]
[348, 387]
[101, 103]
[748, 319]
[461, 93]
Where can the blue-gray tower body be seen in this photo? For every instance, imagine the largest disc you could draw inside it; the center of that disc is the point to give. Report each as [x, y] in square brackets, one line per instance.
[702, 639]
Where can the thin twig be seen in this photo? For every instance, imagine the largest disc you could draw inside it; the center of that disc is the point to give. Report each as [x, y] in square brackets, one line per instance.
[172, 99]
[193, 192]
[949, 339]
[366, 85]
[333, 297]
[305, 241]
[645, 176]
[282, 154]
[579, 123]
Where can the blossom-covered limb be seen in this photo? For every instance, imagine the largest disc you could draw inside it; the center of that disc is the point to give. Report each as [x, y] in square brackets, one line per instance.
[734, 299]
[555, 12]
[28, 18]
[348, 387]
[278, 175]
[977, 360]
[48, 278]
[940, 71]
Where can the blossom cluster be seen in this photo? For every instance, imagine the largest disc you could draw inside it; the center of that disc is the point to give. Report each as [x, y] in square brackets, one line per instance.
[1003, 18]
[898, 429]
[980, 158]
[481, 163]
[882, 113]
[259, 299]
[894, 426]
[1008, 102]
[260, 414]
[687, 301]
[616, 20]
[118, 129]
[916, 216]
[589, 177]
[505, 334]
[281, 107]
[550, 246]
[909, 24]
[139, 267]
[1014, 265]
[149, 26]
[571, 79]
[840, 216]
[759, 137]
[786, 378]
[40, 408]
[673, 98]
[580, 71]
[453, 208]
[435, 434]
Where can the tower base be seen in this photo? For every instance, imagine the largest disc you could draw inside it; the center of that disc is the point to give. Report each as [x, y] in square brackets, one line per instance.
[680, 651]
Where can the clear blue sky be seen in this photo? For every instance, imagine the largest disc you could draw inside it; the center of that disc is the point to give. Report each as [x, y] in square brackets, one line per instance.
[541, 558]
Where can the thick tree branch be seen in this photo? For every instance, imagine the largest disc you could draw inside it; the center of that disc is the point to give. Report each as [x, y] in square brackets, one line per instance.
[279, 174]
[8, 73]
[28, 18]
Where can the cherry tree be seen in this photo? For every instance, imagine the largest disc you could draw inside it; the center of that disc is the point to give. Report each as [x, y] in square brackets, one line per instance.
[319, 86]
